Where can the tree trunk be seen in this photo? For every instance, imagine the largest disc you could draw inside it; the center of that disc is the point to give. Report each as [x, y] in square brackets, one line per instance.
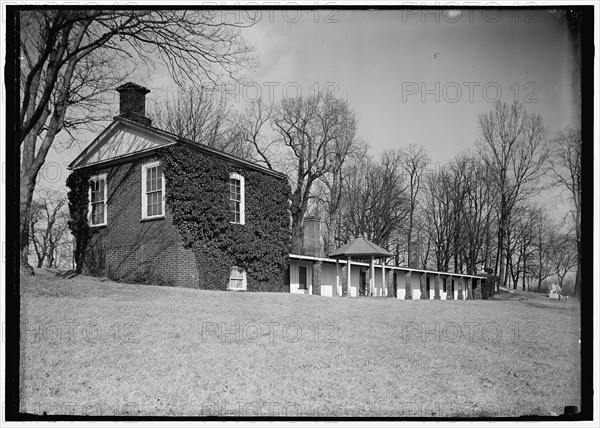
[501, 257]
[524, 269]
[50, 263]
[297, 238]
[409, 241]
[26, 197]
[577, 288]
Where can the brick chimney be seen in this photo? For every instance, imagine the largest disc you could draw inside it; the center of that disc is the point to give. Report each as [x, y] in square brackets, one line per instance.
[313, 237]
[132, 103]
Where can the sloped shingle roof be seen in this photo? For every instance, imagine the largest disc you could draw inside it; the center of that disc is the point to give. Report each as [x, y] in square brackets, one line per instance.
[360, 247]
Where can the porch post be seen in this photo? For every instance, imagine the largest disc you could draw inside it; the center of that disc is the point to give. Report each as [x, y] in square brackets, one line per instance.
[438, 280]
[372, 278]
[408, 294]
[349, 266]
[400, 283]
[337, 277]
[423, 285]
[383, 283]
[461, 281]
[450, 288]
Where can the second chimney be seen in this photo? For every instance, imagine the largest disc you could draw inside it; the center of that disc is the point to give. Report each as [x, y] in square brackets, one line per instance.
[132, 103]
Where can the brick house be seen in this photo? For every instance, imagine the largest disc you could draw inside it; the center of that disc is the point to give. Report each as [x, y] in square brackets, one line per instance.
[136, 229]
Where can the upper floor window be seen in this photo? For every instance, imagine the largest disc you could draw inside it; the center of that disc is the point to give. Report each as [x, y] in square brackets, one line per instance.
[97, 196]
[153, 190]
[236, 198]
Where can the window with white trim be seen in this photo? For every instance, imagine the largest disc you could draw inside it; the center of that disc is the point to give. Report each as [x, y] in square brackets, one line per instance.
[237, 278]
[236, 198]
[97, 196]
[153, 191]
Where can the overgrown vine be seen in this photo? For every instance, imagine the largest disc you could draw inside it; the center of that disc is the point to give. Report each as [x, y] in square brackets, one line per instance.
[78, 183]
[197, 195]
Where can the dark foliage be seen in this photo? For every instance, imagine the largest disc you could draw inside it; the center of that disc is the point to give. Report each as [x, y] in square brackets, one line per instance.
[488, 286]
[197, 195]
[78, 195]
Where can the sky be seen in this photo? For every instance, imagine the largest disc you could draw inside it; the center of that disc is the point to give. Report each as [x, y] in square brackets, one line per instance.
[412, 76]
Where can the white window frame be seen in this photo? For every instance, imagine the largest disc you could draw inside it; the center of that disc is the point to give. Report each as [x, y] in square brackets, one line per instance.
[244, 279]
[98, 177]
[242, 181]
[145, 215]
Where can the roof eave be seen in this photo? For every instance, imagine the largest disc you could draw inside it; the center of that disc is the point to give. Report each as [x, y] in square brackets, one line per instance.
[123, 158]
[169, 136]
[360, 255]
[206, 149]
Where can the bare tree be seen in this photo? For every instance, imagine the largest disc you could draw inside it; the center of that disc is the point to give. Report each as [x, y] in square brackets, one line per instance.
[439, 208]
[70, 58]
[477, 212]
[566, 165]
[541, 265]
[201, 115]
[48, 225]
[563, 255]
[423, 237]
[314, 129]
[329, 189]
[527, 237]
[375, 200]
[251, 127]
[513, 147]
[414, 162]
[519, 238]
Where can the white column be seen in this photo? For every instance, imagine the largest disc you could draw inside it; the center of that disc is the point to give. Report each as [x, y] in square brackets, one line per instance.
[372, 279]
[383, 281]
[337, 278]
[349, 266]
[400, 284]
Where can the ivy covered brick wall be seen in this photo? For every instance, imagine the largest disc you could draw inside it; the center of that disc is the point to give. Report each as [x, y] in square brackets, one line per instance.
[197, 218]
[197, 194]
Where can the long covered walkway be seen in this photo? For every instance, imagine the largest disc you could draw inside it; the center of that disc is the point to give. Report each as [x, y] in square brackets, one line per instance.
[332, 276]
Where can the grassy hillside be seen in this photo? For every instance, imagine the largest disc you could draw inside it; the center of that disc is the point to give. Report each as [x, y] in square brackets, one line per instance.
[98, 347]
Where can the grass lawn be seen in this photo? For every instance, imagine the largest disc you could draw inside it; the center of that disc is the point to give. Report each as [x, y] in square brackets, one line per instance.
[102, 348]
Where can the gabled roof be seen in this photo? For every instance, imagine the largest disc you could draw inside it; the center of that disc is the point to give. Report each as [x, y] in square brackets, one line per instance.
[360, 247]
[124, 138]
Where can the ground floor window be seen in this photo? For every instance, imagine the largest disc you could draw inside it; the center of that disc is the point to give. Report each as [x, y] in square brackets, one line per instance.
[237, 278]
